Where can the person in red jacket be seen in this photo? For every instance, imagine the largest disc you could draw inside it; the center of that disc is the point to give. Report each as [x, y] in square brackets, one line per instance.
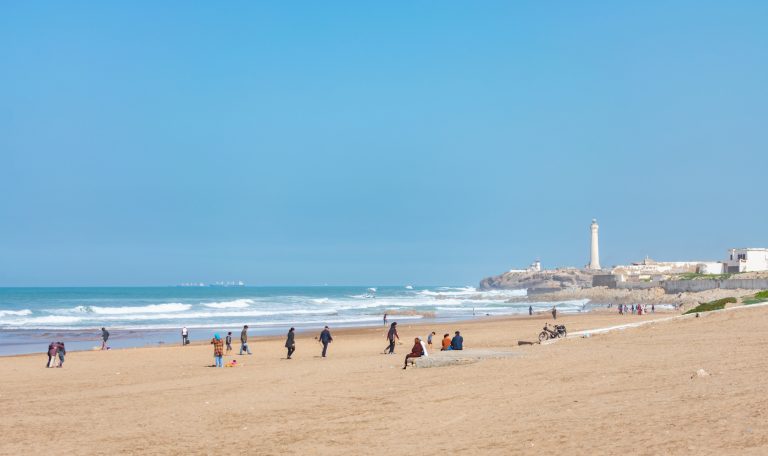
[416, 352]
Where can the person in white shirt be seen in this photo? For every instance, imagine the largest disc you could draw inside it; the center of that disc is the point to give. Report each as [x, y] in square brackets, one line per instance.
[184, 336]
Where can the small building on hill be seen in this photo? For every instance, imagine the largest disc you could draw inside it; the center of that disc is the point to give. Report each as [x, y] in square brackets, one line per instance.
[746, 260]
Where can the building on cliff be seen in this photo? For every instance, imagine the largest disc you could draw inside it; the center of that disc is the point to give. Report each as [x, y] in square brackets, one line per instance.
[746, 260]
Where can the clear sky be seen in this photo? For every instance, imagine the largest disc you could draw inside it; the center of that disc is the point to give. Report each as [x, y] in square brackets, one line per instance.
[150, 143]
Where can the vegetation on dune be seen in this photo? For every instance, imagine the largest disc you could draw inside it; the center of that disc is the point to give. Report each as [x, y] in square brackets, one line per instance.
[757, 298]
[697, 276]
[712, 305]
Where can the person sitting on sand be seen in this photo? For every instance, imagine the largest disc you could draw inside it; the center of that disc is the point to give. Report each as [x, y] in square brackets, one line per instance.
[457, 343]
[104, 337]
[218, 350]
[416, 352]
[446, 342]
[391, 336]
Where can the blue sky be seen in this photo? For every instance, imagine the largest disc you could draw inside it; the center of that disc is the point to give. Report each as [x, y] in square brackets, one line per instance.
[374, 143]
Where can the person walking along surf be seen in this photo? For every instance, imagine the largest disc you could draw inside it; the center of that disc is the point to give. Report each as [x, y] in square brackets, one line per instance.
[218, 350]
[228, 339]
[391, 336]
[184, 336]
[290, 343]
[244, 341]
[104, 338]
[554, 313]
[325, 339]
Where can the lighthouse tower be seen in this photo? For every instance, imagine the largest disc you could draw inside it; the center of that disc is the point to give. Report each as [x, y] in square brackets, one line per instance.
[594, 258]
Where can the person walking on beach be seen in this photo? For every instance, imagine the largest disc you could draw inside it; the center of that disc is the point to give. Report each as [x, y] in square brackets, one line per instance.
[554, 313]
[228, 339]
[385, 319]
[416, 352]
[244, 341]
[457, 343]
[290, 343]
[653, 308]
[218, 350]
[325, 339]
[104, 338]
[52, 349]
[184, 336]
[62, 351]
[391, 336]
[429, 339]
[530, 310]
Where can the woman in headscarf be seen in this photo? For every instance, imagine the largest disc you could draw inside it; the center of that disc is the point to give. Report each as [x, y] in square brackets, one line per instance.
[218, 350]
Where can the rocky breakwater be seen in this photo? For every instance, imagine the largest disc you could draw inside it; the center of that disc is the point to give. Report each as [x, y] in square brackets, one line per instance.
[537, 281]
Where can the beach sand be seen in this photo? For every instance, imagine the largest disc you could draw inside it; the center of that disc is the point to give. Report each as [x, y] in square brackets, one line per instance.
[634, 391]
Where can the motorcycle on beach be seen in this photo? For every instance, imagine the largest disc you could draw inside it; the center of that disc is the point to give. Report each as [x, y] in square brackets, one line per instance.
[552, 332]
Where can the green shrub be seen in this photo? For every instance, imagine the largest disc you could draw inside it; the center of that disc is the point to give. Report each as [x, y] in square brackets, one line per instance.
[757, 298]
[713, 305]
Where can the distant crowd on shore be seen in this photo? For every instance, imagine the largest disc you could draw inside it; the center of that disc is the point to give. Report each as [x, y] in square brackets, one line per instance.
[636, 309]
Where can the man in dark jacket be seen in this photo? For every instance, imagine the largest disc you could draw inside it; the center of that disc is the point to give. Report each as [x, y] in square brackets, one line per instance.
[391, 335]
[104, 338]
[290, 343]
[244, 341]
[457, 343]
[325, 339]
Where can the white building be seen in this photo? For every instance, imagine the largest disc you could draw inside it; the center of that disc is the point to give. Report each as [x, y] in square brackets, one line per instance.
[534, 267]
[747, 260]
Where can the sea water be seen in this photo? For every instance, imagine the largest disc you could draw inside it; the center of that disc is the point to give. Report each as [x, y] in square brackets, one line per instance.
[136, 316]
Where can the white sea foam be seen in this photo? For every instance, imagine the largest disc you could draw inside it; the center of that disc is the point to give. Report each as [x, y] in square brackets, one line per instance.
[152, 308]
[236, 304]
[19, 313]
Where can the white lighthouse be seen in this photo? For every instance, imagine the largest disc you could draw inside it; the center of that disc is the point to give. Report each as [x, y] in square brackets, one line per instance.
[594, 258]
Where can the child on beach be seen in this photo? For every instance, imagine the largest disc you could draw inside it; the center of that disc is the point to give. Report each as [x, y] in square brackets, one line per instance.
[429, 339]
[218, 350]
[416, 352]
[229, 342]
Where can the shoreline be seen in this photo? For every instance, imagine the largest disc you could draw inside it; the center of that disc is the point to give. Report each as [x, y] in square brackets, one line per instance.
[306, 333]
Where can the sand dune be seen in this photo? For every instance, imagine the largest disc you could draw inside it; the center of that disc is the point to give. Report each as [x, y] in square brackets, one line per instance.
[634, 391]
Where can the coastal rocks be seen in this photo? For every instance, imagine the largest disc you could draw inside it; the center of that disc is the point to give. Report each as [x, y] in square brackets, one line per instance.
[549, 280]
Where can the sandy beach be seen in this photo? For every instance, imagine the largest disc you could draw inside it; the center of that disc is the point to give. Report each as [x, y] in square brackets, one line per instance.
[634, 391]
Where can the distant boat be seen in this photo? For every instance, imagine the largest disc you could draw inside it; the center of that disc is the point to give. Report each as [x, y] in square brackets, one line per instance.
[238, 283]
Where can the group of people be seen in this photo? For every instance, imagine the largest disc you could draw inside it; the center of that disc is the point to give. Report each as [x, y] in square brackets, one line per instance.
[56, 350]
[420, 348]
[325, 339]
[636, 310]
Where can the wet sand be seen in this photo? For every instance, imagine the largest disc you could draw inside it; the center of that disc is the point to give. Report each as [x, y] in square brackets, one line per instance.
[633, 391]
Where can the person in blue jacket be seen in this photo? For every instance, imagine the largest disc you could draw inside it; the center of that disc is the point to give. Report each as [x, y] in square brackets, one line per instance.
[457, 343]
[325, 339]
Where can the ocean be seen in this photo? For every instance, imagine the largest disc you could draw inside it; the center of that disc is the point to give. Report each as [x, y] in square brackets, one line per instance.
[138, 316]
